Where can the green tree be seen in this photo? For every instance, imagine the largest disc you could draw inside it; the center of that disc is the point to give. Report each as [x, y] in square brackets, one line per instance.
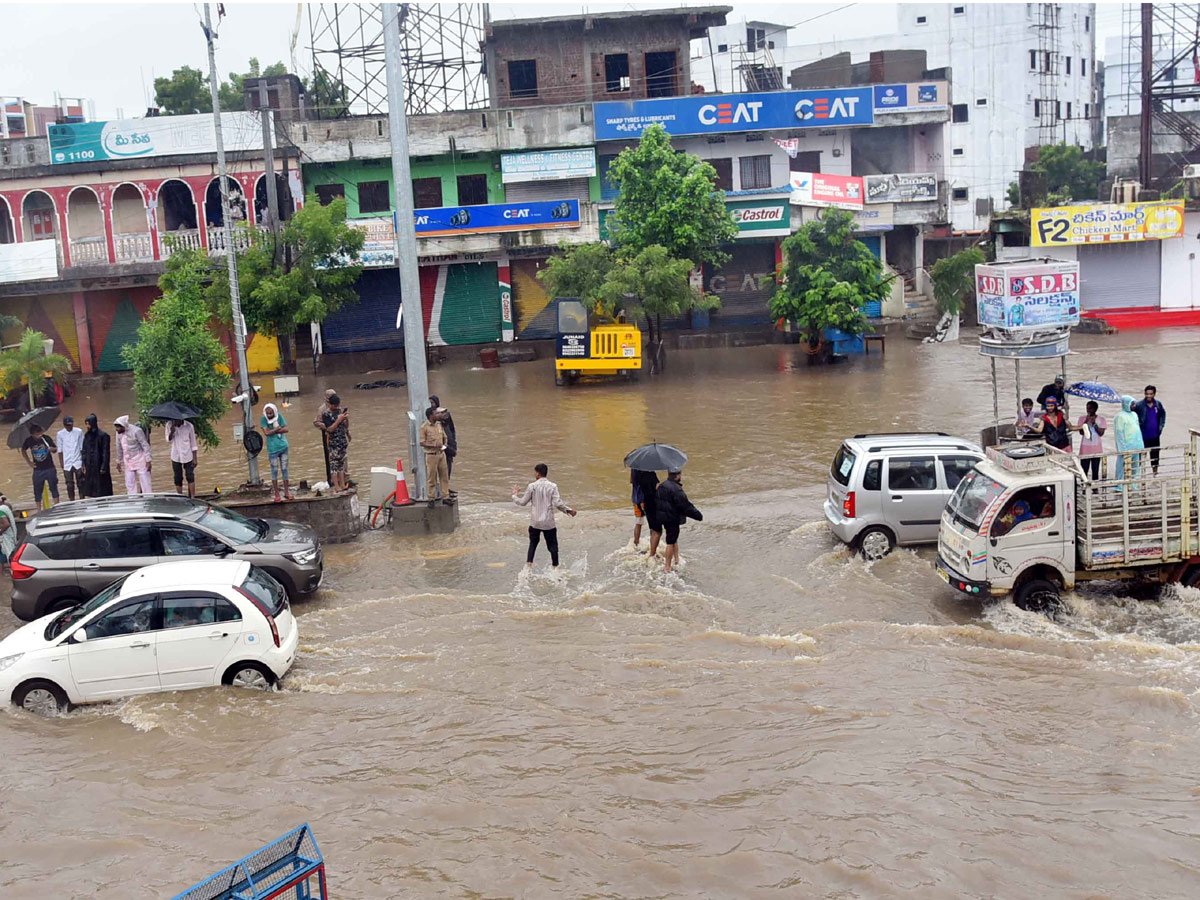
[668, 198]
[1068, 175]
[184, 93]
[827, 277]
[327, 95]
[29, 364]
[314, 276]
[581, 271]
[176, 356]
[232, 92]
[663, 286]
[954, 279]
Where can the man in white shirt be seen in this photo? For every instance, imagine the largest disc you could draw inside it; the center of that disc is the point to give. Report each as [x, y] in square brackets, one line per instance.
[69, 442]
[543, 498]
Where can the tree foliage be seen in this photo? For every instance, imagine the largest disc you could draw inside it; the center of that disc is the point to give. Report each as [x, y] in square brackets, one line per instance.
[828, 276]
[187, 91]
[232, 92]
[660, 282]
[326, 94]
[28, 364]
[1068, 175]
[176, 356]
[668, 198]
[582, 271]
[954, 279]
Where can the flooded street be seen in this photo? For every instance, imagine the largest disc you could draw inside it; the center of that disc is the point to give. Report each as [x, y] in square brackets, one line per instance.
[776, 719]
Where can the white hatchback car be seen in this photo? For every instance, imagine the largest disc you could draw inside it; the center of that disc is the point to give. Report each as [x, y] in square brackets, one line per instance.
[166, 627]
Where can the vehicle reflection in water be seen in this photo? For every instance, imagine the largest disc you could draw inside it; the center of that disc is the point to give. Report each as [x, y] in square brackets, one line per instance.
[776, 719]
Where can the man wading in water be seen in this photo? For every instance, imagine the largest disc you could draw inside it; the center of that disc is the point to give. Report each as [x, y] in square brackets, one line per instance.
[543, 494]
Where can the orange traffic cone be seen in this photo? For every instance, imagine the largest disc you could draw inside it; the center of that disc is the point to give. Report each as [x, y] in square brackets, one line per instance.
[402, 498]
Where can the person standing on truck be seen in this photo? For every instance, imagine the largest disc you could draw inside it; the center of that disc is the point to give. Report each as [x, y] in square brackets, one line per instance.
[1091, 445]
[1129, 439]
[1055, 389]
[1026, 418]
[1054, 427]
[1152, 417]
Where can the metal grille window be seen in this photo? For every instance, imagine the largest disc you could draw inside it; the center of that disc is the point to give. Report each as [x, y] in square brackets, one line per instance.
[724, 169]
[374, 196]
[756, 172]
[427, 193]
[327, 193]
[960, 112]
[472, 190]
[522, 78]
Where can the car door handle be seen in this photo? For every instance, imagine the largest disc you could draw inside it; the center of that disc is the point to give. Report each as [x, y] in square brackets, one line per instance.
[896, 497]
[1052, 534]
[90, 566]
[217, 635]
[139, 645]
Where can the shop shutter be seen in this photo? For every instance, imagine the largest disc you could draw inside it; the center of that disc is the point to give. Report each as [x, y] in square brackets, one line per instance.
[562, 189]
[466, 305]
[369, 324]
[873, 243]
[1114, 276]
[122, 332]
[742, 286]
[532, 304]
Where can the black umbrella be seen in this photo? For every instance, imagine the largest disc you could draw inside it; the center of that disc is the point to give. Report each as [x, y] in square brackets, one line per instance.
[656, 457]
[43, 417]
[173, 409]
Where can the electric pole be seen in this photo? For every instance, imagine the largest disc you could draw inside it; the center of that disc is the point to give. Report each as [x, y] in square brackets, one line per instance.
[235, 300]
[1146, 151]
[264, 109]
[406, 246]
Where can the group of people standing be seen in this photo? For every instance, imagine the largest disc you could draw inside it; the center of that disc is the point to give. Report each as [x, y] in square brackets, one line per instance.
[1138, 426]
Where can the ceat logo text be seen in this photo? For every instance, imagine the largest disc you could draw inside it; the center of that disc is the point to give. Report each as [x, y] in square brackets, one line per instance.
[823, 108]
[729, 113]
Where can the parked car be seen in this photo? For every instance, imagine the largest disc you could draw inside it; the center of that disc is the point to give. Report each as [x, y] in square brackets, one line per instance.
[889, 489]
[167, 627]
[75, 549]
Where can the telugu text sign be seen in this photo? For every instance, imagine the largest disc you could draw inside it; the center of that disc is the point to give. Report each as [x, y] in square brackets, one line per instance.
[1039, 295]
[1100, 223]
[901, 188]
[158, 136]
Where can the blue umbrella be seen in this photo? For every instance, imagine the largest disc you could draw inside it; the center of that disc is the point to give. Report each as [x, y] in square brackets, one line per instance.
[1094, 390]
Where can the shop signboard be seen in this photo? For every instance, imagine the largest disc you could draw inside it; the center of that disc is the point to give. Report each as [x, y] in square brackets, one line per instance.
[547, 165]
[819, 189]
[159, 136]
[1099, 223]
[874, 218]
[720, 113]
[761, 218]
[901, 188]
[1028, 295]
[918, 97]
[379, 241]
[492, 217]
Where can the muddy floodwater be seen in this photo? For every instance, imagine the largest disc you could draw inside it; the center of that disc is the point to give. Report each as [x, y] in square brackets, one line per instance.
[776, 719]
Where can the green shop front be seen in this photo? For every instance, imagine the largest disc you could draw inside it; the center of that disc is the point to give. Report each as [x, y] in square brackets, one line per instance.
[745, 282]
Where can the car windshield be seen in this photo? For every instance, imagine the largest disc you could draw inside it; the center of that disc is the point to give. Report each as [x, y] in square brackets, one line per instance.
[843, 465]
[229, 524]
[266, 590]
[77, 614]
[971, 499]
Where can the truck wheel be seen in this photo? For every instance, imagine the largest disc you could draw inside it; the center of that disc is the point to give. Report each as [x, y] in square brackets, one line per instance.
[1191, 578]
[1038, 595]
[875, 543]
[558, 379]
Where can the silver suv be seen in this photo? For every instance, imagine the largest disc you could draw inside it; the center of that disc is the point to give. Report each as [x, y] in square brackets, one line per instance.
[75, 549]
[889, 489]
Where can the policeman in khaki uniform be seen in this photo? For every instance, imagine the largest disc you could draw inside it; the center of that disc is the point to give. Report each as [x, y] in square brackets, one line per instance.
[433, 440]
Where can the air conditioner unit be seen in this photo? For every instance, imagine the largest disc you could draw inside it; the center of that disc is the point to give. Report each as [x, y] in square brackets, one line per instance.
[1191, 171]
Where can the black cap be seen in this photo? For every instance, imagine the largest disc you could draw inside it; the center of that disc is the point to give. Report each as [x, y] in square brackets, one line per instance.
[68, 420]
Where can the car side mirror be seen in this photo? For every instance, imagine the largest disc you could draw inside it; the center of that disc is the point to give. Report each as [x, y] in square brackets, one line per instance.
[994, 541]
[79, 636]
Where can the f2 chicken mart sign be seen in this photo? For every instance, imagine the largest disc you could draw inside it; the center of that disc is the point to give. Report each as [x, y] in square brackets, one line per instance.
[1099, 223]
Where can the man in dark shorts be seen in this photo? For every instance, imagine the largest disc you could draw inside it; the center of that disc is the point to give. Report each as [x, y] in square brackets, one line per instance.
[644, 485]
[674, 508]
[42, 450]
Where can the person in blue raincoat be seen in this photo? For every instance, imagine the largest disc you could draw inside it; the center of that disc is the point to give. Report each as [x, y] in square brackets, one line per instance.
[1129, 438]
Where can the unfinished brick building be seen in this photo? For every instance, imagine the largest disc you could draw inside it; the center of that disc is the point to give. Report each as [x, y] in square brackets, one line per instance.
[627, 55]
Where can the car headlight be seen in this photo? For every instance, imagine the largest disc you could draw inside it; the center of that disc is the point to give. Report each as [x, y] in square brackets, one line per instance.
[6, 662]
[304, 557]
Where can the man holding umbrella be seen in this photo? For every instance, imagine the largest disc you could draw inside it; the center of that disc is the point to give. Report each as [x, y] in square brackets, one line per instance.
[643, 463]
[181, 438]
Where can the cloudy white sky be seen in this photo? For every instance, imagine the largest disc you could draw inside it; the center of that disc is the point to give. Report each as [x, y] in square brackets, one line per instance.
[111, 52]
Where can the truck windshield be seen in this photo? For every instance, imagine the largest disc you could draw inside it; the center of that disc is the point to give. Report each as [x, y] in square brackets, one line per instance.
[971, 499]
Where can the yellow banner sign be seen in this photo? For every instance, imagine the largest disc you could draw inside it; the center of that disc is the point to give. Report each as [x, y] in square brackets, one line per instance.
[1106, 222]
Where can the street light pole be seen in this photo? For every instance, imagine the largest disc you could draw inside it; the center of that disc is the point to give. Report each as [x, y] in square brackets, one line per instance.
[406, 245]
[239, 324]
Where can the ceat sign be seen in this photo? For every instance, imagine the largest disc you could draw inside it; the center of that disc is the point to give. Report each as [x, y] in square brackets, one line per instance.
[729, 113]
[832, 108]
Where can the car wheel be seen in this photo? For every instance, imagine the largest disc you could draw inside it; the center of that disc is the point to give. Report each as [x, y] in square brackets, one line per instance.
[61, 603]
[42, 698]
[875, 543]
[1039, 595]
[249, 675]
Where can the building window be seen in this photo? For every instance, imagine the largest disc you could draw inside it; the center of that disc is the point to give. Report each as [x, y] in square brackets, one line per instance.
[522, 78]
[722, 48]
[961, 113]
[427, 193]
[660, 74]
[616, 72]
[472, 190]
[1087, 110]
[1032, 60]
[724, 169]
[1087, 23]
[920, 20]
[958, 151]
[1068, 65]
[1047, 66]
[327, 193]
[756, 172]
[1037, 109]
[981, 101]
[1083, 68]
[960, 10]
[770, 45]
[1068, 109]
[806, 161]
[960, 193]
[756, 38]
[1057, 109]
[374, 196]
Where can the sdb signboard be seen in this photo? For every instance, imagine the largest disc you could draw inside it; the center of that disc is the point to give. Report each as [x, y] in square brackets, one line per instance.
[1025, 296]
[720, 113]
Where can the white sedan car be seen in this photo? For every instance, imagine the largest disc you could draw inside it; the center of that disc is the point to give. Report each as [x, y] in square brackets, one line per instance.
[166, 627]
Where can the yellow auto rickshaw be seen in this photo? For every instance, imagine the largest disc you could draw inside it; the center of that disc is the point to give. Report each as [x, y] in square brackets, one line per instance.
[607, 348]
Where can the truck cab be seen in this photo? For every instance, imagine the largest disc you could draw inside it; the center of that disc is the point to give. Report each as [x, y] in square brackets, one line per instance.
[594, 349]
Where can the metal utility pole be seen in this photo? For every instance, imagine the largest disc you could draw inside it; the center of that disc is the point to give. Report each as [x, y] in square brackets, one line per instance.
[406, 245]
[239, 324]
[264, 109]
[1146, 152]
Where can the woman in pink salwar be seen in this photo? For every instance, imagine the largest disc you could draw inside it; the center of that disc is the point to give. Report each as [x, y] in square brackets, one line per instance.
[133, 456]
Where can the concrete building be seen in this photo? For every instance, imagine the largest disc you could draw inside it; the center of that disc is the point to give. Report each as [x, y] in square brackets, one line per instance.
[19, 118]
[1021, 75]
